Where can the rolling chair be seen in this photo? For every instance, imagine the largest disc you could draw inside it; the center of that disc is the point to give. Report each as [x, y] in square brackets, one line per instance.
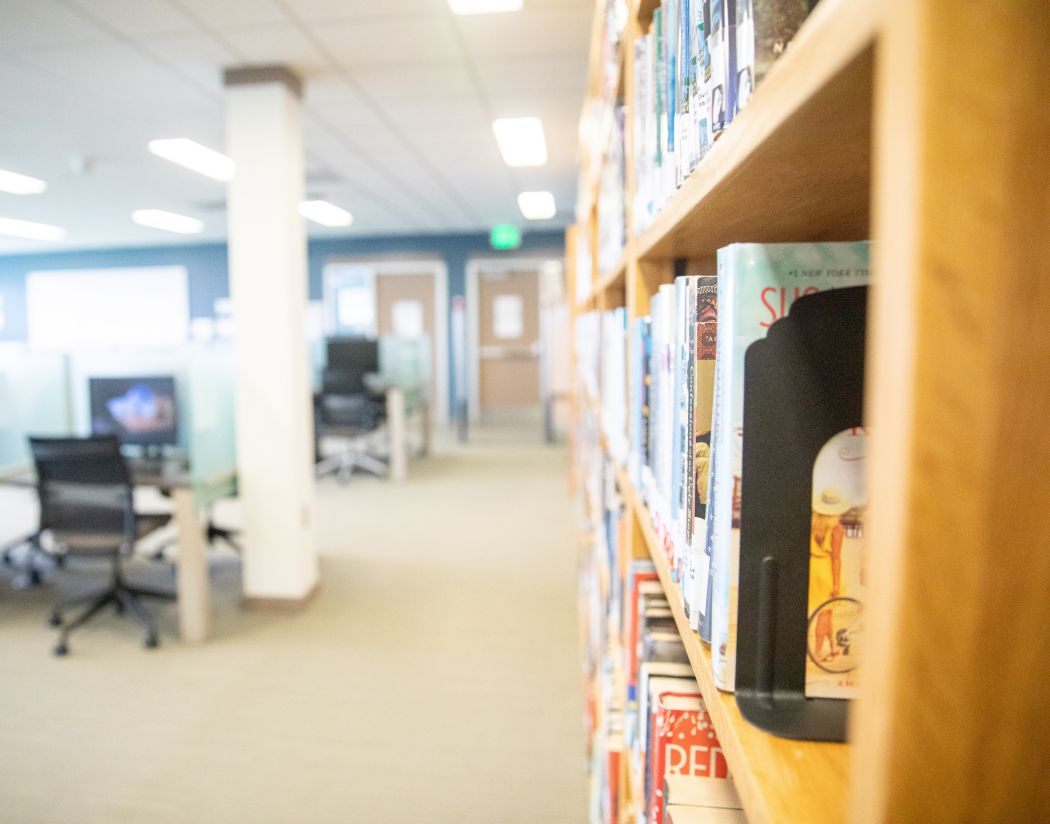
[86, 506]
[347, 408]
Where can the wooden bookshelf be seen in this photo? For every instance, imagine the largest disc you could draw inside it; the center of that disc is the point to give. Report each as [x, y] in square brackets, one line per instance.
[777, 779]
[922, 128]
[795, 164]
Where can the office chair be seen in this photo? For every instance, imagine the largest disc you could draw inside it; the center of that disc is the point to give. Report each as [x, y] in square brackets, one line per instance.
[86, 506]
[346, 408]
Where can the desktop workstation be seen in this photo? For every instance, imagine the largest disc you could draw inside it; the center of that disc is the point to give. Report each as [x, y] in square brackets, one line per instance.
[174, 427]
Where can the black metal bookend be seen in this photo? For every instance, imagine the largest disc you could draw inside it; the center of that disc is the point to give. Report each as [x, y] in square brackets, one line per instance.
[803, 385]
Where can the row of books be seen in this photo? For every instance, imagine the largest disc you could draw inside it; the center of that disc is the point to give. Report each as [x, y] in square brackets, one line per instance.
[693, 73]
[612, 206]
[680, 374]
[645, 717]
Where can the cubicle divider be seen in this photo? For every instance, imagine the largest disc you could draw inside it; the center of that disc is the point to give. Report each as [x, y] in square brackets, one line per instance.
[34, 400]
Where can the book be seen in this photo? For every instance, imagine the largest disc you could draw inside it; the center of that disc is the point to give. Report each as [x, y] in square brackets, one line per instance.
[703, 343]
[636, 720]
[716, 32]
[639, 573]
[653, 687]
[763, 29]
[696, 791]
[683, 743]
[684, 814]
[757, 283]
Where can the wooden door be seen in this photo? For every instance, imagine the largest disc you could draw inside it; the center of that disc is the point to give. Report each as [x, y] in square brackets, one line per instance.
[405, 307]
[509, 342]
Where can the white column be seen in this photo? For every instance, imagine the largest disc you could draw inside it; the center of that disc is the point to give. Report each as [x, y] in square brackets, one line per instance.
[268, 287]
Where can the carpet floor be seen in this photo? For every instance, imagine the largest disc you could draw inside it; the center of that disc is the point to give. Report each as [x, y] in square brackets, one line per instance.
[433, 678]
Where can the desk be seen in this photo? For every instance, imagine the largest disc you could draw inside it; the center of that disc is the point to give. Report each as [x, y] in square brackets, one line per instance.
[189, 496]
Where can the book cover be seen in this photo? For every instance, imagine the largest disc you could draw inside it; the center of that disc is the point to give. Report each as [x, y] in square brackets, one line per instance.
[653, 687]
[835, 595]
[683, 743]
[716, 29]
[757, 283]
[704, 343]
[763, 30]
[636, 719]
[639, 573]
[683, 111]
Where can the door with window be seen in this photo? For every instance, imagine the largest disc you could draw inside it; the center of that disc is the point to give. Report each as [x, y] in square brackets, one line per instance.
[509, 345]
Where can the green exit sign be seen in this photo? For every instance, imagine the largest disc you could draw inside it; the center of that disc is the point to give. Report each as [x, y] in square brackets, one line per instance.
[505, 236]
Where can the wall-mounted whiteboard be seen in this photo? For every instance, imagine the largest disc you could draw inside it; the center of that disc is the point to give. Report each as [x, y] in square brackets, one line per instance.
[141, 306]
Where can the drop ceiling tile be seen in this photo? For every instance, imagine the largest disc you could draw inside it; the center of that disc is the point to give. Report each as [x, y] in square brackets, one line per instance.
[418, 115]
[198, 57]
[390, 41]
[138, 18]
[447, 77]
[528, 33]
[359, 9]
[540, 74]
[234, 14]
[283, 43]
[31, 24]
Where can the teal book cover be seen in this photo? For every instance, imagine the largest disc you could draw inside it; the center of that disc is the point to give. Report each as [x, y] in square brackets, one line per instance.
[757, 285]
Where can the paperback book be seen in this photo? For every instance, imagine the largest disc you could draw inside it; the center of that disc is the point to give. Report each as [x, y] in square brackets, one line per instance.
[757, 283]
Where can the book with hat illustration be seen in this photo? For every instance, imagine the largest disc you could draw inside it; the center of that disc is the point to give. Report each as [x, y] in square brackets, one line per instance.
[803, 501]
[757, 285]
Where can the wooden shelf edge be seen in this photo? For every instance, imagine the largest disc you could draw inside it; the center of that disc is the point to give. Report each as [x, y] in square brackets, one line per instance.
[778, 779]
[834, 35]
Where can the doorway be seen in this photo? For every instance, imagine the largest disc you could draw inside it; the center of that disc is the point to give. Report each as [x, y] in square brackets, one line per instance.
[406, 298]
[505, 343]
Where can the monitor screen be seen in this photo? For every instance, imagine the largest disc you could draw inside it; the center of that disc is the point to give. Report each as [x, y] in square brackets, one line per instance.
[138, 410]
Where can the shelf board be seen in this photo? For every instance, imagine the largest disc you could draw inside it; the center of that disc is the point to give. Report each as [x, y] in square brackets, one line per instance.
[778, 779]
[795, 164]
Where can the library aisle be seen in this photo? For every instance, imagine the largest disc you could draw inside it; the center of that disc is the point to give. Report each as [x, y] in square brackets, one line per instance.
[434, 678]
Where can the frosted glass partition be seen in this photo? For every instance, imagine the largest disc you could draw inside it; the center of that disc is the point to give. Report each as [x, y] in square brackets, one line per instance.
[203, 374]
[210, 389]
[405, 362]
[34, 400]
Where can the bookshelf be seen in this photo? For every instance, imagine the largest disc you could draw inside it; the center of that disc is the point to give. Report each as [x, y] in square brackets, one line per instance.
[877, 123]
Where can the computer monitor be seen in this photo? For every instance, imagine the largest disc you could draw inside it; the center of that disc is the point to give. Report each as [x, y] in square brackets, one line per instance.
[140, 410]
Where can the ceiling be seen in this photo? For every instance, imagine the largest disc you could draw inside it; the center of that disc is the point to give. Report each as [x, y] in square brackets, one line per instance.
[399, 100]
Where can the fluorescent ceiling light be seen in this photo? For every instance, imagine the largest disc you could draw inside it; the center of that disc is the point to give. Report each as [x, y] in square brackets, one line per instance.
[483, 6]
[17, 184]
[537, 205]
[521, 141]
[194, 156]
[168, 221]
[325, 213]
[32, 231]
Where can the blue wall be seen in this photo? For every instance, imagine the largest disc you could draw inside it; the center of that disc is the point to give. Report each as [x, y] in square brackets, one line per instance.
[206, 265]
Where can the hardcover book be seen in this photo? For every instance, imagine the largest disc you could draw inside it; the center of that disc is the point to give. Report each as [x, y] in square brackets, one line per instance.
[757, 283]
[707, 793]
[653, 686]
[683, 743]
[718, 103]
[637, 717]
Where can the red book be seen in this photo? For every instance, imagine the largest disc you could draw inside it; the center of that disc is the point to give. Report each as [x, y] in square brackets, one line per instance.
[614, 751]
[636, 577]
[683, 742]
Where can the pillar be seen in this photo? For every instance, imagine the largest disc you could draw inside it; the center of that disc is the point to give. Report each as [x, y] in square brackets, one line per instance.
[268, 287]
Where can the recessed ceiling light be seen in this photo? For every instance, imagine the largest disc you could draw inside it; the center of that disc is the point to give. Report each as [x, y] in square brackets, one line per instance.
[168, 221]
[32, 231]
[325, 213]
[537, 205]
[521, 141]
[17, 184]
[483, 6]
[194, 156]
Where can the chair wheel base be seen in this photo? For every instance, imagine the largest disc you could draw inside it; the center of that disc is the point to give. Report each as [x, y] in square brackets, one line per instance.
[151, 642]
[61, 650]
[54, 619]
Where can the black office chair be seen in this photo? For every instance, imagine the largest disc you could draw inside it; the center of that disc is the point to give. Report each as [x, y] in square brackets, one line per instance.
[86, 505]
[346, 407]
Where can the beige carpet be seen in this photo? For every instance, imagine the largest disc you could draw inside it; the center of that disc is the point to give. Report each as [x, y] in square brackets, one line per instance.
[434, 678]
